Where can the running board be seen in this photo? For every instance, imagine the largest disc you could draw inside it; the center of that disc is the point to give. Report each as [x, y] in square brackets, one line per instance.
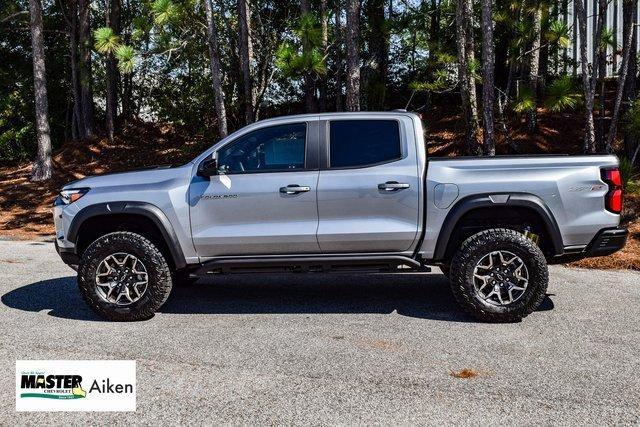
[318, 264]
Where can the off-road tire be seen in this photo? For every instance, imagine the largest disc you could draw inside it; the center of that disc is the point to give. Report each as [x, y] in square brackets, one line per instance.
[159, 276]
[479, 245]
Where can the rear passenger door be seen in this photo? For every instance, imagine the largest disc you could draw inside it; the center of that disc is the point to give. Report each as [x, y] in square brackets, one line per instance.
[369, 185]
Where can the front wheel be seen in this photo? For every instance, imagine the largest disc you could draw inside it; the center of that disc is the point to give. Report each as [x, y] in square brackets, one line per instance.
[123, 276]
[499, 275]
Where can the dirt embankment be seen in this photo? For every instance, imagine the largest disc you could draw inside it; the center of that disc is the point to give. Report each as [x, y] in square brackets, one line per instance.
[25, 207]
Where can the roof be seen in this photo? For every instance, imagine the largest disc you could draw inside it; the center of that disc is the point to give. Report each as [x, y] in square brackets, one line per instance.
[393, 113]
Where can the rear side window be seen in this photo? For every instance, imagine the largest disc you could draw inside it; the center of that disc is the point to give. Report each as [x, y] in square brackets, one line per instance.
[358, 143]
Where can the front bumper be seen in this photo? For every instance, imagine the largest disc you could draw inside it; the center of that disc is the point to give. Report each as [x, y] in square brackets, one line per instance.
[68, 256]
[65, 248]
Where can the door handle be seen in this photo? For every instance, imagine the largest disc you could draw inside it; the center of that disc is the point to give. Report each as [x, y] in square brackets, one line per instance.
[294, 189]
[393, 186]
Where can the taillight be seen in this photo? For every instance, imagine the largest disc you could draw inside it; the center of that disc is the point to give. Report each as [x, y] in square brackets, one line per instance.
[613, 198]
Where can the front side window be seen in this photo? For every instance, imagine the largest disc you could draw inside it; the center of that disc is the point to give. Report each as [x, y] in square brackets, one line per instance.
[359, 143]
[271, 149]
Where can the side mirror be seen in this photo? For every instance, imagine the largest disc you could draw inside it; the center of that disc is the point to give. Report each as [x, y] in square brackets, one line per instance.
[208, 168]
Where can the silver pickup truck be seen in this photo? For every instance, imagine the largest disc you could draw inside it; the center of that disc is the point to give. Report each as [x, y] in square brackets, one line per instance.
[333, 193]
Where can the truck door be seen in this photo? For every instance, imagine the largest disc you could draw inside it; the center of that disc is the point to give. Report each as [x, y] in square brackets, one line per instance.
[369, 186]
[264, 199]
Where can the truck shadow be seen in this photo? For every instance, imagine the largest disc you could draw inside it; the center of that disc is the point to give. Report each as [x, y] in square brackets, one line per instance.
[413, 295]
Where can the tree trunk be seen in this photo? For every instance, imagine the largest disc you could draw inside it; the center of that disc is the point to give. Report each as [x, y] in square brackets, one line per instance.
[534, 69]
[214, 63]
[588, 83]
[325, 45]
[246, 56]
[465, 47]
[379, 53]
[502, 103]
[488, 90]
[41, 169]
[602, 74]
[433, 37]
[127, 96]
[310, 101]
[232, 68]
[353, 59]
[111, 107]
[337, 59]
[77, 123]
[514, 64]
[624, 68]
[630, 87]
[543, 69]
[434, 27]
[86, 73]
[510, 77]
[470, 51]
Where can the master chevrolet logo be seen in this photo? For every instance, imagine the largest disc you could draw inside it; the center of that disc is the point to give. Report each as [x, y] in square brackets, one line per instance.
[52, 386]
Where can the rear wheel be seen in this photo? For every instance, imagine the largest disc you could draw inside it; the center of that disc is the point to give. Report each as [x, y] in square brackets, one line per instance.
[499, 275]
[123, 276]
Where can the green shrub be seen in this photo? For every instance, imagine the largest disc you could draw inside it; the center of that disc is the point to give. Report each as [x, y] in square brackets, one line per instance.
[629, 175]
[632, 119]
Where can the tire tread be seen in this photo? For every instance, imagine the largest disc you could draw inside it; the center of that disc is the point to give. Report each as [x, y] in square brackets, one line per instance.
[468, 250]
[162, 282]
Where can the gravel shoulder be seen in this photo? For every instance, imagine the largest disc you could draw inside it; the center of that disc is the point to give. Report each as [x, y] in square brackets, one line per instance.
[342, 349]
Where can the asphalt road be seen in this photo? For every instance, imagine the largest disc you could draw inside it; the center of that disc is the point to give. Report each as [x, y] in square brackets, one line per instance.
[344, 349]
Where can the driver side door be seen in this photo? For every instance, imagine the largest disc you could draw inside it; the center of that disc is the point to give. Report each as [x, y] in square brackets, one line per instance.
[263, 201]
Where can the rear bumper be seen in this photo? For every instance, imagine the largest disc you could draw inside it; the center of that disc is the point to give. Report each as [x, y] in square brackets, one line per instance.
[607, 241]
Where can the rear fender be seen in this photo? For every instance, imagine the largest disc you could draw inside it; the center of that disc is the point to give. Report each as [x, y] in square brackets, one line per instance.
[496, 200]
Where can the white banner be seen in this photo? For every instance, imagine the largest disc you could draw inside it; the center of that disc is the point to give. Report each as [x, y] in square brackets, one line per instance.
[75, 385]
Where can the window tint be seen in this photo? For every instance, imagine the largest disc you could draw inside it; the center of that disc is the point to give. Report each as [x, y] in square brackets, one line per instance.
[363, 142]
[275, 148]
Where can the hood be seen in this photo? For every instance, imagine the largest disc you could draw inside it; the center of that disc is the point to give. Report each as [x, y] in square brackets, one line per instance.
[148, 175]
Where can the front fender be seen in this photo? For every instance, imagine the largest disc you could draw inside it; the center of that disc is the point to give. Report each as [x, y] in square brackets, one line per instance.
[147, 210]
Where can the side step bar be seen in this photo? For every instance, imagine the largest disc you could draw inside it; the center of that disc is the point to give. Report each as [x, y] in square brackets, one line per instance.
[387, 263]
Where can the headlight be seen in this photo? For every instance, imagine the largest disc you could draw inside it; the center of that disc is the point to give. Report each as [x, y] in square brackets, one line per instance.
[72, 195]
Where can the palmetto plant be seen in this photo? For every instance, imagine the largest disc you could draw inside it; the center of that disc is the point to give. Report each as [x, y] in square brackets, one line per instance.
[608, 39]
[558, 34]
[525, 101]
[523, 31]
[563, 94]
